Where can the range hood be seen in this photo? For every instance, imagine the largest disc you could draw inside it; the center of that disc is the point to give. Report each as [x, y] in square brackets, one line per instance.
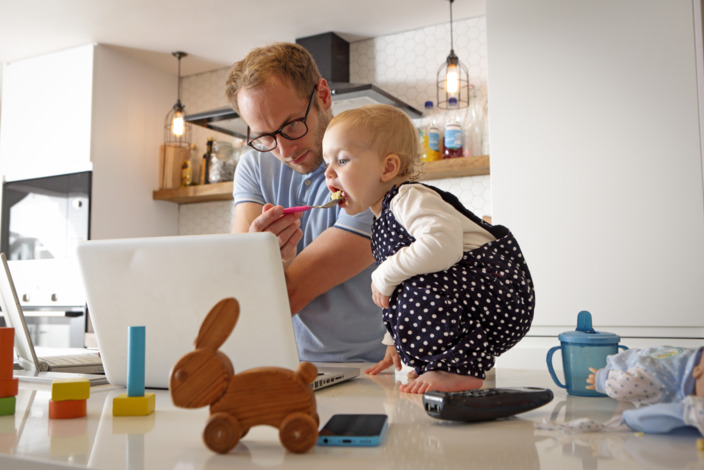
[331, 54]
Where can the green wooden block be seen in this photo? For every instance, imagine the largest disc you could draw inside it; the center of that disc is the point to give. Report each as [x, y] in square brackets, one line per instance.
[7, 406]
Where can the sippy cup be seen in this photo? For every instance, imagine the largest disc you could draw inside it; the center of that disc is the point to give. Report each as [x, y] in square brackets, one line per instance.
[582, 349]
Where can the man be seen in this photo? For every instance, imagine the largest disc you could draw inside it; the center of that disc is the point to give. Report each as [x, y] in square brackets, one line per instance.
[327, 257]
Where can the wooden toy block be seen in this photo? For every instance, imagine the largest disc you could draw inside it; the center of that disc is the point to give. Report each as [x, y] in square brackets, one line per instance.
[135, 361]
[9, 387]
[67, 409]
[124, 405]
[7, 406]
[7, 353]
[70, 389]
[271, 396]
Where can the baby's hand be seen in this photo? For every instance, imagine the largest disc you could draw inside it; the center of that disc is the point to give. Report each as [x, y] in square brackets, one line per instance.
[381, 300]
[591, 380]
[390, 357]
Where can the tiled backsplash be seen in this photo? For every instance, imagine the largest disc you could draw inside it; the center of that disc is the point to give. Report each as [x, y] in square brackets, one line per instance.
[403, 64]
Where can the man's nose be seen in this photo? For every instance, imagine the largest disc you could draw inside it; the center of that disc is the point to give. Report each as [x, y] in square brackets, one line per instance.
[286, 146]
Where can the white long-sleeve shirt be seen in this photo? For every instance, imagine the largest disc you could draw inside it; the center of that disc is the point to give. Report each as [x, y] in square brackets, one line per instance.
[442, 235]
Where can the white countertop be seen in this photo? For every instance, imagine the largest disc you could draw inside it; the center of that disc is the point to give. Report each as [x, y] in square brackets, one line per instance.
[171, 437]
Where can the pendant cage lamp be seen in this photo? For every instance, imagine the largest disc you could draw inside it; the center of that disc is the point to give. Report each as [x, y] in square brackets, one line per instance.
[177, 131]
[453, 79]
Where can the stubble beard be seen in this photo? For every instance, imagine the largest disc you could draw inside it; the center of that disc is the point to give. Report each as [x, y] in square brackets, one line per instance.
[317, 151]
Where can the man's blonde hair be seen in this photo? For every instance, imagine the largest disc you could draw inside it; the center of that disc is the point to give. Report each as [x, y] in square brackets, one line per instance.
[388, 130]
[282, 59]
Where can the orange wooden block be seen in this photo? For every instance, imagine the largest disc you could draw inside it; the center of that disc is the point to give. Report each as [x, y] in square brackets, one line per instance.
[9, 387]
[7, 353]
[67, 409]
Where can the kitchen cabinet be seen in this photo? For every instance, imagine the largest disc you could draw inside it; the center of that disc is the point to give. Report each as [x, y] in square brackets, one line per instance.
[598, 159]
[457, 167]
[91, 108]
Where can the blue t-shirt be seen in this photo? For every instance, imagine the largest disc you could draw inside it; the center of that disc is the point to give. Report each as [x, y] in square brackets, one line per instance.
[343, 324]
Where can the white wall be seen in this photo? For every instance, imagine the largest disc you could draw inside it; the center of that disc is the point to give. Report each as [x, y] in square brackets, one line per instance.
[597, 160]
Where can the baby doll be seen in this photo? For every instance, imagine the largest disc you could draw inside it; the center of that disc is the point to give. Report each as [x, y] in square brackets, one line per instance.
[651, 375]
[669, 380]
[455, 291]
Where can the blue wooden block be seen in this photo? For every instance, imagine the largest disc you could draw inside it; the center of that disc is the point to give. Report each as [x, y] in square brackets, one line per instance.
[135, 361]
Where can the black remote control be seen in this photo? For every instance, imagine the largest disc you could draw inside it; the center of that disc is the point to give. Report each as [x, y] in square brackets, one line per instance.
[484, 404]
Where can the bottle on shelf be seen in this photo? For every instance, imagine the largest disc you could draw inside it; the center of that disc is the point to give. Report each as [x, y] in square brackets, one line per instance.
[452, 144]
[188, 169]
[429, 134]
[474, 126]
[186, 173]
[205, 164]
[485, 133]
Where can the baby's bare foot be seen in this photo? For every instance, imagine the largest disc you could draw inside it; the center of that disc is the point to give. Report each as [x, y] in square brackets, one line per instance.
[441, 381]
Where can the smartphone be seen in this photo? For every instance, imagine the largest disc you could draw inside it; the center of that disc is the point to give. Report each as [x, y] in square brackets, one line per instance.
[353, 430]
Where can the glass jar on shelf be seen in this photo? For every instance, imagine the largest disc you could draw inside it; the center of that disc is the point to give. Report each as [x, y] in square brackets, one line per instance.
[222, 162]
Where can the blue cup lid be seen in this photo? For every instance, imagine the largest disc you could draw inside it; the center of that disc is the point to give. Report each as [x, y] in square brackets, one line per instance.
[585, 334]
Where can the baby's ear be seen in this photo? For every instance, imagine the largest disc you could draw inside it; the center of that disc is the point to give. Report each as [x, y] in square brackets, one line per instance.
[392, 165]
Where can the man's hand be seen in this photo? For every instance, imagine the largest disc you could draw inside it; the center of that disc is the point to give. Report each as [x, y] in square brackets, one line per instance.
[390, 358]
[285, 227]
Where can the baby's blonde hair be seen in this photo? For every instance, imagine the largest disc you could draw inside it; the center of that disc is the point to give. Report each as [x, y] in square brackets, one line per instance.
[388, 130]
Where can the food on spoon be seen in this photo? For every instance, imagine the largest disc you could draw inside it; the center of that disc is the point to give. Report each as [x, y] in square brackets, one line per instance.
[338, 196]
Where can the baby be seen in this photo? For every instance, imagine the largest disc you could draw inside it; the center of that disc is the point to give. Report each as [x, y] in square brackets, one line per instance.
[455, 291]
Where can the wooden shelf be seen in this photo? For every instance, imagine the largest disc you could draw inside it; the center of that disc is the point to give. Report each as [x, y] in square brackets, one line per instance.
[200, 193]
[453, 168]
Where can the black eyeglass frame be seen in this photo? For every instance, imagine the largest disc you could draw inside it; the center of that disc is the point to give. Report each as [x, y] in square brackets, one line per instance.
[280, 131]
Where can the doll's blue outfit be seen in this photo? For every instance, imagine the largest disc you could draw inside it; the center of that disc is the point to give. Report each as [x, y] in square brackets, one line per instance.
[651, 375]
[457, 320]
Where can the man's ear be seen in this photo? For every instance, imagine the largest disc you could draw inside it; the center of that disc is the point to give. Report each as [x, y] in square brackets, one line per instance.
[392, 165]
[324, 94]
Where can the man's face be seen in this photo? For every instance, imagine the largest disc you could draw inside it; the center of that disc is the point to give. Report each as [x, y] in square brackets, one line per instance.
[269, 107]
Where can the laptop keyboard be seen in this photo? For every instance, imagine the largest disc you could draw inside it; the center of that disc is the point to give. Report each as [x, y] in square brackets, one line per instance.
[74, 359]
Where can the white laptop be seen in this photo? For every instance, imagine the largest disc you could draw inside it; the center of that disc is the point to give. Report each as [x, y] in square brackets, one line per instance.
[35, 367]
[169, 284]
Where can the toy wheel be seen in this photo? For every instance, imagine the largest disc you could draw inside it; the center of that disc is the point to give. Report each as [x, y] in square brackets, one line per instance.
[298, 432]
[222, 433]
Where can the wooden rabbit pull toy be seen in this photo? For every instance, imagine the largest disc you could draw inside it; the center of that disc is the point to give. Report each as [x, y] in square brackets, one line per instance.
[272, 396]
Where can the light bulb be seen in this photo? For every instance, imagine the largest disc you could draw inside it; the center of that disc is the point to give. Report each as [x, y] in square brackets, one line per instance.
[452, 79]
[178, 125]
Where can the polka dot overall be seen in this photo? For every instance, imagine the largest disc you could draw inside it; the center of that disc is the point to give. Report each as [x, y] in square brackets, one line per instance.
[460, 319]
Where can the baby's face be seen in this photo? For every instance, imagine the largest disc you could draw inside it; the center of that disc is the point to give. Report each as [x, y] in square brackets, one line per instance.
[698, 374]
[353, 168]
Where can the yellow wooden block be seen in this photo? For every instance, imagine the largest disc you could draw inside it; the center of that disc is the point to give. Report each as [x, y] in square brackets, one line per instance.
[122, 405]
[70, 389]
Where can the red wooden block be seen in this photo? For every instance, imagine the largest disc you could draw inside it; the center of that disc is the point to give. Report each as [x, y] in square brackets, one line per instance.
[67, 409]
[7, 352]
[8, 387]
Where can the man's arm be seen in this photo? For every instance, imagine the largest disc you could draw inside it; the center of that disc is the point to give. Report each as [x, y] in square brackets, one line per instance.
[335, 256]
[245, 213]
[253, 217]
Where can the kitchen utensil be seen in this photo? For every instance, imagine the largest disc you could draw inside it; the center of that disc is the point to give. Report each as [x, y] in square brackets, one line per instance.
[327, 205]
[582, 349]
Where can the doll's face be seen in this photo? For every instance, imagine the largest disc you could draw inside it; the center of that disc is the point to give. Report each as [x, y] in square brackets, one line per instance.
[698, 374]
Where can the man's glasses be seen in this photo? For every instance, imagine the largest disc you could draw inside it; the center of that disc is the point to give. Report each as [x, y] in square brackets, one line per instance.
[292, 130]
